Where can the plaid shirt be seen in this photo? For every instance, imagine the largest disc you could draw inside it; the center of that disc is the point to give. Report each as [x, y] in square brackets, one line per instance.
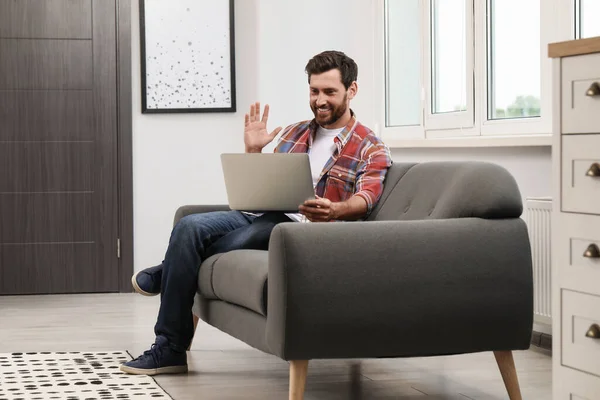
[356, 168]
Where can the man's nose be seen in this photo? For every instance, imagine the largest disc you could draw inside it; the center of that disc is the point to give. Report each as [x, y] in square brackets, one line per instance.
[320, 100]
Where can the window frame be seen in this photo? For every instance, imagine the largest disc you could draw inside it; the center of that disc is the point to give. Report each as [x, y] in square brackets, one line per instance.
[577, 19]
[461, 120]
[577, 11]
[410, 131]
[554, 27]
[514, 126]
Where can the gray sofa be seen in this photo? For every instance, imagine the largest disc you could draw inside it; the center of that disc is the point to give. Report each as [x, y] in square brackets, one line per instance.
[442, 266]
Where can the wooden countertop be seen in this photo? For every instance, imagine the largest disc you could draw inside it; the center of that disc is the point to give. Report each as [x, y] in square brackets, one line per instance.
[574, 47]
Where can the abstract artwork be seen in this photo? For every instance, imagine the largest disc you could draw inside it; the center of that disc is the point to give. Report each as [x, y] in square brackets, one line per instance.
[187, 56]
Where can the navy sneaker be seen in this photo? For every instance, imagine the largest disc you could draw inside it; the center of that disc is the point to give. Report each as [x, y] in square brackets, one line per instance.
[147, 281]
[160, 359]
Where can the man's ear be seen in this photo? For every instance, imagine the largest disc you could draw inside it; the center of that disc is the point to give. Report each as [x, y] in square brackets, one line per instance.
[352, 90]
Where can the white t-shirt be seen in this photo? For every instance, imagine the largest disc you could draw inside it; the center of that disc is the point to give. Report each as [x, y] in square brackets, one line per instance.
[320, 152]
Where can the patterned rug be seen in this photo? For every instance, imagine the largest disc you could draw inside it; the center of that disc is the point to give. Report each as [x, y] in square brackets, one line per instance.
[73, 376]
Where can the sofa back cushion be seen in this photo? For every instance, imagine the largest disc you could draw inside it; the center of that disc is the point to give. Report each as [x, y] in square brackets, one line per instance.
[439, 190]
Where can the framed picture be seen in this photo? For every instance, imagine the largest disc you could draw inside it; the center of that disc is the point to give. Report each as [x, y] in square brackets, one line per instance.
[187, 56]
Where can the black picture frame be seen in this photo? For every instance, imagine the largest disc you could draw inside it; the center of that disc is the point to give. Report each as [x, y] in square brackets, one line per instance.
[155, 101]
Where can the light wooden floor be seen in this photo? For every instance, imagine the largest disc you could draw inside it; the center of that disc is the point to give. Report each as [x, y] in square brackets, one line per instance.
[223, 368]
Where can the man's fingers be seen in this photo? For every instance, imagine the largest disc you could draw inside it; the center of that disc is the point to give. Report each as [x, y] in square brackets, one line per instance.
[314, 214]
[252, 113]
[265, 116]
[246, 120]
[313, 210]
[257, 114]
[318, 202]
[316, 218]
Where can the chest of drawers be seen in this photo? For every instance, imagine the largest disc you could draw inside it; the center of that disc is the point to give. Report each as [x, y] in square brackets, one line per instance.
[576, 220]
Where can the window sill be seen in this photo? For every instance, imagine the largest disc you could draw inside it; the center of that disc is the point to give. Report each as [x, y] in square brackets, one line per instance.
[472, 141]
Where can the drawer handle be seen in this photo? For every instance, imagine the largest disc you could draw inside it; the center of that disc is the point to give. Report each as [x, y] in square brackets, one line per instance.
[594, 170]
[593, 332]
[592, 251]
[594, 90]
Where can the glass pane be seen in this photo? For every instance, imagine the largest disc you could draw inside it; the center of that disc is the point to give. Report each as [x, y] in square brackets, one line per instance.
[448, 56]
[590, 11]
[514, 59]
[403, 63]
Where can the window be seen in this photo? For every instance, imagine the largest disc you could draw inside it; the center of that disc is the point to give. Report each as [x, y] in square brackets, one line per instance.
[403, 64]
[449, 68]
[458, 68]
[513, 60]
[448, 56]
[586, 15]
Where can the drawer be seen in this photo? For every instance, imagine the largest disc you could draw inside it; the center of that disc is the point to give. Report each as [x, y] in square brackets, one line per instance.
[581, 173]
[575, 385]
[580, 314]
[580, 83]
[577, 259]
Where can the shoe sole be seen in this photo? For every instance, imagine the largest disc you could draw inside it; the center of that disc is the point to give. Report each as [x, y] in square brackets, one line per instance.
[178, 369]
[138, 289]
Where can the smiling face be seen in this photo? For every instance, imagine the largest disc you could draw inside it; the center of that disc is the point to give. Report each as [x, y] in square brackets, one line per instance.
[330, 100]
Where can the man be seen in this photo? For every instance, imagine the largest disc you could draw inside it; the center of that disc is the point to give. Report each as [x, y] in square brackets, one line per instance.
[349, 164]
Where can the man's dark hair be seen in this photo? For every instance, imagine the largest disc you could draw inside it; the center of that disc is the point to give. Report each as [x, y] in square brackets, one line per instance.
[332, 59]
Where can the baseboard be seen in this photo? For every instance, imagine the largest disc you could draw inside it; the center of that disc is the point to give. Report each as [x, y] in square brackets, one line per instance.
[541, 340]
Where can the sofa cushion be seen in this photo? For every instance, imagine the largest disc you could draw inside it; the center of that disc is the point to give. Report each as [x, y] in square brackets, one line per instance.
[440, 190]
[237, 277]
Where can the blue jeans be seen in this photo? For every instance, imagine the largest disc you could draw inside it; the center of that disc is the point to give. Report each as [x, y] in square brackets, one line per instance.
[195, 238]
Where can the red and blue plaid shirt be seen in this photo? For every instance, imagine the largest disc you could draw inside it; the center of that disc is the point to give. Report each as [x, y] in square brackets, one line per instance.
[357, 167]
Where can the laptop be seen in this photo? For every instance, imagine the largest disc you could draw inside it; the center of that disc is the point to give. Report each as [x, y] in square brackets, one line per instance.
[258, 182]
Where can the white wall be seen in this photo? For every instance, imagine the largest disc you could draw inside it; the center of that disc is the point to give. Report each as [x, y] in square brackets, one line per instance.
[176, 156]
[291, 32]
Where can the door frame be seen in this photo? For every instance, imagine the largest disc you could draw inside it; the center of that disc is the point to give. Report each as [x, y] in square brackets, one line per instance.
[124, 144]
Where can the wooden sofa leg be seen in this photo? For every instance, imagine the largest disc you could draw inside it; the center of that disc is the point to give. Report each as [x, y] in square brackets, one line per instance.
[195, 326]
[506, 364]
[298, 371]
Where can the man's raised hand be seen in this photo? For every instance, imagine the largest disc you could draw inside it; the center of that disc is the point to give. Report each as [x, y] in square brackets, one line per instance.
[256, 135]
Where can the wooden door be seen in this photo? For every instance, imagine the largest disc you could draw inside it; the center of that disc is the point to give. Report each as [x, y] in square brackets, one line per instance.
[58, 146]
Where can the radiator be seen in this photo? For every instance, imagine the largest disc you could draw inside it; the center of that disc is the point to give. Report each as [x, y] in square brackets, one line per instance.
[538, 213]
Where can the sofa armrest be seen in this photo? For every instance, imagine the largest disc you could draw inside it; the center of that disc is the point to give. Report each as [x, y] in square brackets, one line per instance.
[197, 209]
[399, 288]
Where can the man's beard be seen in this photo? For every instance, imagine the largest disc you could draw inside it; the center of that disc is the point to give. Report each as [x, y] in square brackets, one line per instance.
[336, 113]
